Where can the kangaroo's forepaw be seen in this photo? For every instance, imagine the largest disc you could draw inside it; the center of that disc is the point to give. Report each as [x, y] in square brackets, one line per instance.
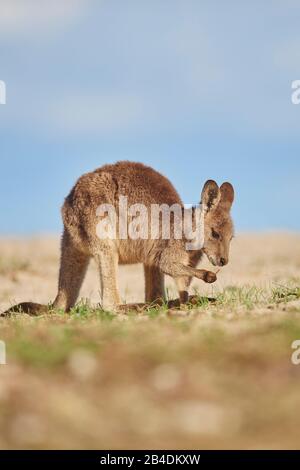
[209, 277]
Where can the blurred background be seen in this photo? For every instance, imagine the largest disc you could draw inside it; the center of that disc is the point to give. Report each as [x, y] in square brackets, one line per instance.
[196, 89]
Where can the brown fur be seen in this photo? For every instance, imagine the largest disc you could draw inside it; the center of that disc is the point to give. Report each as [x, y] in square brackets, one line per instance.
[141, 184]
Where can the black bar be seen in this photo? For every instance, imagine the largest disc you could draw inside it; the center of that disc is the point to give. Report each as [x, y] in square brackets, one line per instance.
[135, 459]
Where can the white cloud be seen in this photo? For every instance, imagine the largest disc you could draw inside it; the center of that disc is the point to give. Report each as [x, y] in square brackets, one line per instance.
[19, 17]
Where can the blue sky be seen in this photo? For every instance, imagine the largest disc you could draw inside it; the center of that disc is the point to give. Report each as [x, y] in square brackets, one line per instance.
[197, 89]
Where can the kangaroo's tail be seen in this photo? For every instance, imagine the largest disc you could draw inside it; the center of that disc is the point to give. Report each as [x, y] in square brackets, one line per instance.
[26, 307]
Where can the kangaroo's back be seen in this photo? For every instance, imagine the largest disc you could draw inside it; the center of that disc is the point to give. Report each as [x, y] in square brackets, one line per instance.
[141, 184]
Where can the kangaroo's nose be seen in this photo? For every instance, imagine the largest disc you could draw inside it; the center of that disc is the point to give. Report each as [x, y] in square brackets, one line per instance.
[223, 261]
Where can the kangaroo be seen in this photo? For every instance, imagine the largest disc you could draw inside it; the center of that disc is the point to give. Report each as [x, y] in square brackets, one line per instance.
[140, 184]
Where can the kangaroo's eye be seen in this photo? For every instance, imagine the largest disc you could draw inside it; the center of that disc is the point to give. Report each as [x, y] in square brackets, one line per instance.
[215, 234]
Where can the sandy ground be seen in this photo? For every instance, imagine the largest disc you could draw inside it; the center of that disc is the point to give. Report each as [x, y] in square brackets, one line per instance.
[29, 269]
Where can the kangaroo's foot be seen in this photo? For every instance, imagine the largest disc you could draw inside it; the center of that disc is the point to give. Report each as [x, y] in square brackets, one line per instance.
[175, 303]
[137, 307]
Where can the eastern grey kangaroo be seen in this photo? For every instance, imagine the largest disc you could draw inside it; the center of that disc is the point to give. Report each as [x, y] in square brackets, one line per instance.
[140, 184]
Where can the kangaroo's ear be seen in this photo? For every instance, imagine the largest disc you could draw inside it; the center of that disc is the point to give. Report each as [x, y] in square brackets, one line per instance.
[227, 196]
[211, 196]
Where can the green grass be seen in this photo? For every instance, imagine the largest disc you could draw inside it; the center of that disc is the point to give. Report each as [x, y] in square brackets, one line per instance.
[231, 298]
[217, 375]
[285, 293]
[83, 310]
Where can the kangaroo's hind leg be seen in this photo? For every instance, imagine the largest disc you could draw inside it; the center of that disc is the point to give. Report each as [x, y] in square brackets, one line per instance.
[154, 284]
[107, 259]
[183, 284]
[73, 268]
